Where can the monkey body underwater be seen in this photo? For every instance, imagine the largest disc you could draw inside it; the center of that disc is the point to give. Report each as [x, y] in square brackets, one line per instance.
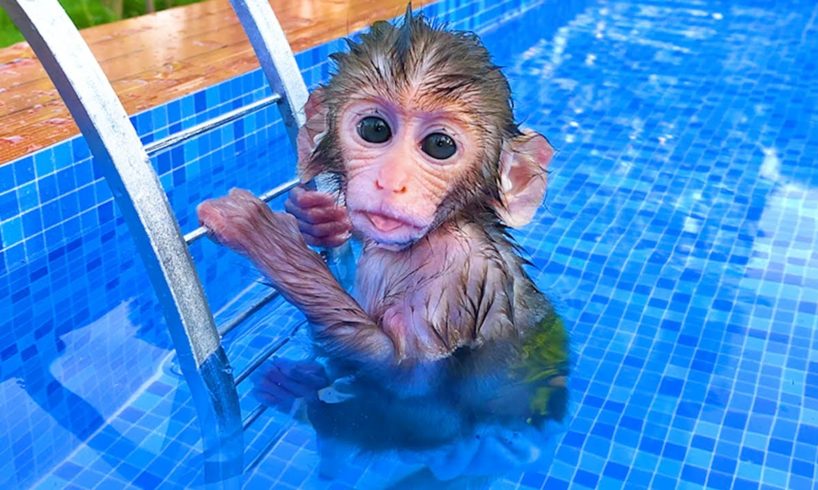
[447, 349]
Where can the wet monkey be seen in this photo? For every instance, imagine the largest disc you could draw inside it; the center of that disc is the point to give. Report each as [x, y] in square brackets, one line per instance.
[445, 347]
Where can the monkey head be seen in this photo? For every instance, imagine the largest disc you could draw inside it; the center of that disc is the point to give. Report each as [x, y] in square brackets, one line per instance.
[416, 123]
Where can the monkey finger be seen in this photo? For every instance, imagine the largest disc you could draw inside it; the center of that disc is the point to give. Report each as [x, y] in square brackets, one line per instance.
[317, 214]
[284, 381]
[212, 216]
[305, 198]
[313, 380]
[327, 242]
[275, 398]
[303, 371]
[277, 388]
[291, 388]
[323, 230]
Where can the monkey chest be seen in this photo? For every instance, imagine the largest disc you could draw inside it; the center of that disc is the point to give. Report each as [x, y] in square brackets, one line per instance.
[415, 304]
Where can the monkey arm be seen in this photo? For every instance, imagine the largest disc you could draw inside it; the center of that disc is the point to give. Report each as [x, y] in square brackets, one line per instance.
[339, 324]
[274, 243]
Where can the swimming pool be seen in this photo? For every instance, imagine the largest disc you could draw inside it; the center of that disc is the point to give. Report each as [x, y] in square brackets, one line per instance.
[679, 237]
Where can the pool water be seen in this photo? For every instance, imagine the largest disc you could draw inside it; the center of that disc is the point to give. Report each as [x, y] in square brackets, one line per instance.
[679, 238]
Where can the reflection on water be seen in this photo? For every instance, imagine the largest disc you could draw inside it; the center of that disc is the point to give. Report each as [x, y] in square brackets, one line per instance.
[679, 236]
[479, 414]
[83, 332]
[681, 231]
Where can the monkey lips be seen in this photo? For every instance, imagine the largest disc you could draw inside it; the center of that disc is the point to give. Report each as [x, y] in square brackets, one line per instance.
[388, 230]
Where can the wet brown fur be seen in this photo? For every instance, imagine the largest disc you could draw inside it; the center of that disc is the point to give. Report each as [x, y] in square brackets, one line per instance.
[424, 67]
[480, 305]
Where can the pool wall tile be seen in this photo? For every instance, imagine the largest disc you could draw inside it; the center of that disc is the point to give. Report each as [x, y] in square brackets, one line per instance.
[62, 295]
[679, 240]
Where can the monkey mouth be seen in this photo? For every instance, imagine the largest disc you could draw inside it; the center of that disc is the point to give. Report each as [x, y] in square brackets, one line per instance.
[385, 224]
[385, 229]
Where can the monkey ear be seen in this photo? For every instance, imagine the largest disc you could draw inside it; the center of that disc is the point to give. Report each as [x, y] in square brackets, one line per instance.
[522, 177]
[311, 134]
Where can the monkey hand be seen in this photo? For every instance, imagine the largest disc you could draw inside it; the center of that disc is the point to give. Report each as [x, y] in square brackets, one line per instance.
[322, 222]
[244, 223]
[283, 381]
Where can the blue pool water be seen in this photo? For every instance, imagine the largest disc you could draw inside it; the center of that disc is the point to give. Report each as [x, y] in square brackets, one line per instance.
[679, 237]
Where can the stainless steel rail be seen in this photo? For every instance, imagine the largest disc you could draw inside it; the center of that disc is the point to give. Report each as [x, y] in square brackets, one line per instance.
[244, 315]
[127, 169]
[192, 132]
[144, 205]
[279, 66]
[276, 59]
[266, 197]
[267, 448]
[265, 354]
[253, 415]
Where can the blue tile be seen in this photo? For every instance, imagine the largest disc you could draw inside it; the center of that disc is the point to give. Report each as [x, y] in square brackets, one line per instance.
[585, 478]
[23, 170]
[12, 231]
[27, 196]
[616, 470]
[803, 468]
[47, 187]
[7, 176]
[533, 480]
[693, 474]
[685, 256]
[68, 470]
[752, 455]
[8, 205]
[32, 223]
[62, 155]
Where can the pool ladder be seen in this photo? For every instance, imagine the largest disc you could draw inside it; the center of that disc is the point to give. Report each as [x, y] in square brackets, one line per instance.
[126, 166]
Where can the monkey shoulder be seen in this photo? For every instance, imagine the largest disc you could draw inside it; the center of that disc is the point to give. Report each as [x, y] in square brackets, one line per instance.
[524, 350]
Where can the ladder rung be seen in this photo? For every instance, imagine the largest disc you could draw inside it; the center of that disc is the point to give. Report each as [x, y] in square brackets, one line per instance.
[266, 197]
[206, 126]
[266, 353]
[254, 415]
[244, 315]
[266, 450]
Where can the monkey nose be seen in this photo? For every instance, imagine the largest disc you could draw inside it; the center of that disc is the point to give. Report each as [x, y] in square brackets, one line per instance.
[396, 187]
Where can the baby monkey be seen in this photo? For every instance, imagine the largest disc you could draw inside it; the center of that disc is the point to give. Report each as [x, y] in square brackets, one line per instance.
[446, 347]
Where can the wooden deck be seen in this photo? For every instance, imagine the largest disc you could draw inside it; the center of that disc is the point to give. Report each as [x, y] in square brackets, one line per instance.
[156, 58]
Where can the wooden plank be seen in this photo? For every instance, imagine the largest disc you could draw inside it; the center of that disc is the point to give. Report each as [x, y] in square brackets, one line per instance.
[159, 57]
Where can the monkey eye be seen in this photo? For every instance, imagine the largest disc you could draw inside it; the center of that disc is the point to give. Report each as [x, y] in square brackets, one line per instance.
[374, 130]
[439, 146]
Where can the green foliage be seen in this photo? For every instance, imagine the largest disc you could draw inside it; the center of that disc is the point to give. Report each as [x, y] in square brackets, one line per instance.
[87, 13]
[8, 33]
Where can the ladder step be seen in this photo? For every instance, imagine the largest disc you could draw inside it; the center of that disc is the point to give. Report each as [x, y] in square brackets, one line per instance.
[244, 315]
[266, 197]
[266, 353]
[254, 415]
[186, 134]
[267, 448]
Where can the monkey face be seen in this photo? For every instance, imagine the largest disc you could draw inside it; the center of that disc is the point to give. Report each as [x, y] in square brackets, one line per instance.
[400, 164]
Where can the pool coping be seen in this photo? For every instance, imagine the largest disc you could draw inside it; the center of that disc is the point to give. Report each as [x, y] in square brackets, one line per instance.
[210, 49]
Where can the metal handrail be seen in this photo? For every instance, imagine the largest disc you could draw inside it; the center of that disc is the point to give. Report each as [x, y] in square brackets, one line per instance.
[265, 354]
[266, 197]
[278, 63]
[186, 134]
[276, 59]
[127, 170]
[244, 315]
[254, 415]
